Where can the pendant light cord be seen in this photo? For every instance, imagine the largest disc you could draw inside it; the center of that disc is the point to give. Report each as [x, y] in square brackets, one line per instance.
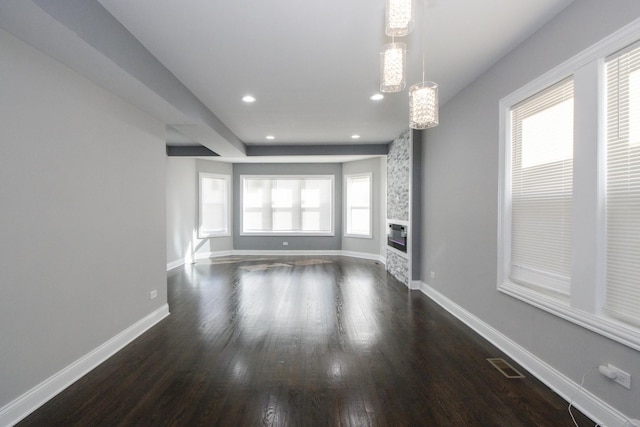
[424, 35]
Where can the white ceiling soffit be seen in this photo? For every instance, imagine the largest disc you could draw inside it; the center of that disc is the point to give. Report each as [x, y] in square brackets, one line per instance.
[28, 22]
[311, 65]
[85, 37]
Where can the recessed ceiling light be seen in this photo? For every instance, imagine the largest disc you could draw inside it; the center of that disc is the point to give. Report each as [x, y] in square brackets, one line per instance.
[355, 136]
[376, 97]
[248, 99]
[271, 137]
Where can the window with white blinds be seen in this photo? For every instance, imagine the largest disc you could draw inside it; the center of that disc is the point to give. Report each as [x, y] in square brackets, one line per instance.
[623, 186]
[214, 205]
[569, 197]
[541, 189]
[287, 205]
[358, 205]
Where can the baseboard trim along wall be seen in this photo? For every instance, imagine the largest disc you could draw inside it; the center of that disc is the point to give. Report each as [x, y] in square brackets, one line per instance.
[287, 253]
[24, 405]
[414, 285]
[363, 255]
[591, 405]
[175, 264]
[208, 255]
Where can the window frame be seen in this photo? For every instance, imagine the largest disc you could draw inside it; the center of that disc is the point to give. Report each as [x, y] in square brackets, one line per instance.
[537, 278]
[226, 231]
[330, 233]
[585, 306]
[347, 207]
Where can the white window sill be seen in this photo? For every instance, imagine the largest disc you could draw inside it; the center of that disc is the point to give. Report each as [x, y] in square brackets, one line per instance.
[605, 326]
[359, 236]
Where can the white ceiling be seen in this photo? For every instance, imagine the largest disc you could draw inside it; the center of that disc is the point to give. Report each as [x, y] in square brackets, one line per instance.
[311, 65]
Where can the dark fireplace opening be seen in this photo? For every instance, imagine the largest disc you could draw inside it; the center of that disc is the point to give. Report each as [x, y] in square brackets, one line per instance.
[397, 237]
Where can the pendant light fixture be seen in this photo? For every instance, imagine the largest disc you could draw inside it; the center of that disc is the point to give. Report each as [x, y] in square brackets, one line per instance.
[423, 105]
[423, 98]
[393, 60]
[399, 17]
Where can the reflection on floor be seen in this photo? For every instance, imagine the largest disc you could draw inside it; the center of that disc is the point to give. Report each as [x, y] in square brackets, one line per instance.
[302, 341]
[263, 267]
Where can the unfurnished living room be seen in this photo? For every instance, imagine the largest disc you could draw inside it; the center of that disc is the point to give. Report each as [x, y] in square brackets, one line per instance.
[336, 213]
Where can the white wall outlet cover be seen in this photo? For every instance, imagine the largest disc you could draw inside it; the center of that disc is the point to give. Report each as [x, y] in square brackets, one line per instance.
[153, 294]
[616, 374]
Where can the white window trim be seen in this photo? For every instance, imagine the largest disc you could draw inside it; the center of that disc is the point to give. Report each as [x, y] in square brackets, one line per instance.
[346, 206]
[283, 233]
[227, 230]
[584, 307]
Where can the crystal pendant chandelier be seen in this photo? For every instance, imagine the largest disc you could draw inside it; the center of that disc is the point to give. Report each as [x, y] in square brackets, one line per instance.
[399, 20]
[423, 99]
[393, 61]
[423, 105]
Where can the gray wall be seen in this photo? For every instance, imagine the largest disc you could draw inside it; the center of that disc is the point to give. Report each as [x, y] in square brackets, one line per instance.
[182, 206]
[295, 242]
[82, 217]
[375, 167]
[460, 204]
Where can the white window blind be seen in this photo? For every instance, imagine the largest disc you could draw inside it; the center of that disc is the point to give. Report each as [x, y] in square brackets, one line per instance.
[358, 206]
[541, 189]
[623, 186]
[287, 205]
[214, 205]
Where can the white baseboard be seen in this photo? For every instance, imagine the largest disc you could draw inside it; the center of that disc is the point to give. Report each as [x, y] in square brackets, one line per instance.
[414, 285]
[364, 255]
[24, 405]
[207, 255]
[286, 253]
[175, 264]
[589, 404]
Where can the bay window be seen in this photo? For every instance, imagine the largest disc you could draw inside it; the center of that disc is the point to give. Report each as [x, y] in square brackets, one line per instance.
[287, 205]
[358, 205]
[214, 205]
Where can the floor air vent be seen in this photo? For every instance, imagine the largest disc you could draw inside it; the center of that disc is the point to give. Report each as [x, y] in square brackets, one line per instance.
[505, 368]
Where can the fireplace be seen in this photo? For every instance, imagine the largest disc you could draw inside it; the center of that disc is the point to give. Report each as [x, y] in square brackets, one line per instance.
[397, 237]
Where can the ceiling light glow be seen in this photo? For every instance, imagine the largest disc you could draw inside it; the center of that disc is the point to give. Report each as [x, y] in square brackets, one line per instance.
[248, 99]
[376, 97]
[355, 136]
[270, 137]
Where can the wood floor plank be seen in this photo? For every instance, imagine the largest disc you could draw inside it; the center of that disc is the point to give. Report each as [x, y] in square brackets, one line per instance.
[302, 341]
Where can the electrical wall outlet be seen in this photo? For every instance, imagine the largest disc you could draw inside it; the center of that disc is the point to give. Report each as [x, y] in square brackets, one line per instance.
[153, 294]
[433, 275]
[285, 243]
[616, 374]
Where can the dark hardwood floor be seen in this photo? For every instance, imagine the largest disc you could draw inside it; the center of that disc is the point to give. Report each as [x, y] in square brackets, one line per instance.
[302, 341]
